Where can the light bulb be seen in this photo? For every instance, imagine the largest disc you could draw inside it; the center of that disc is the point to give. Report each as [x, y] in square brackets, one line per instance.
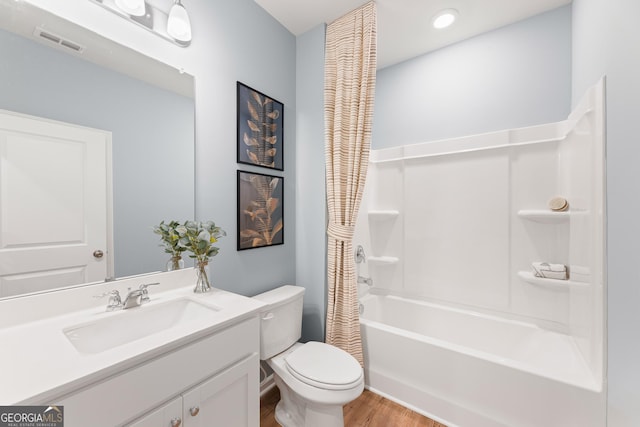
[178, 24]
[132, 7]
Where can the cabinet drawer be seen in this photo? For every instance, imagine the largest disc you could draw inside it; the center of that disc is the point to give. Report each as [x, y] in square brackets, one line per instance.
[124, 396]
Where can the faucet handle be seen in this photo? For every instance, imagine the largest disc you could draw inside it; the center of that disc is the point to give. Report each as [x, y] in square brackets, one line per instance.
[360, 256]
[366, 280]
[114, 299]
[113, 293]
[145, 291]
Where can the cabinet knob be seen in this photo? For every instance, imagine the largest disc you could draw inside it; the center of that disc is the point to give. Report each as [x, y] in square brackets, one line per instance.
[194, 411]
[176, 422]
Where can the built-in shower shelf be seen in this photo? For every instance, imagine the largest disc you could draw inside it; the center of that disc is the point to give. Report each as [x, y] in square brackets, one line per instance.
[383, 260]
[556, 284]
[381, 215]
[544, 216]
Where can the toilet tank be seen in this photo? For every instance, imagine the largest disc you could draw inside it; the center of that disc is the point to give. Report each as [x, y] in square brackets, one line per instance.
[280, 320]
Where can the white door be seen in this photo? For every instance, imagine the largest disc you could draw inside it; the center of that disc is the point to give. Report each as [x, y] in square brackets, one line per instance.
[54, 204]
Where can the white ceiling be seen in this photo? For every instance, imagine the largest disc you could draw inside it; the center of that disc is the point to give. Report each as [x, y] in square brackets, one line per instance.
[404, 26]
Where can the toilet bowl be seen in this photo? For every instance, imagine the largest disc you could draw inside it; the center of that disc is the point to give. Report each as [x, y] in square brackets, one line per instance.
[315, 379]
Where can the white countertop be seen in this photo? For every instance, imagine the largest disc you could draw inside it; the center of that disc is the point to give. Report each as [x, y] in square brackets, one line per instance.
[38, 362]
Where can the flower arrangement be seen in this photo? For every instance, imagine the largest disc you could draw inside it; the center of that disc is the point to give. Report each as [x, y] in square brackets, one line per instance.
[195, 237]
[198, 238]
[170, 240]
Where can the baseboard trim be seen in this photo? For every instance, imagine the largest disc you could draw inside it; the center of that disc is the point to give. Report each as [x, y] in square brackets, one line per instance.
[266, 385]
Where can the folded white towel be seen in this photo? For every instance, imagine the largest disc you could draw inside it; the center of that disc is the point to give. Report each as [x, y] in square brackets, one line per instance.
[550, 271]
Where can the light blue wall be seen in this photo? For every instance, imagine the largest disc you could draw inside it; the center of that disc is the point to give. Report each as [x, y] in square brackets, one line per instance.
[518, 75]
[238, 40]
[232, 40]
[152, 137]
[310, 181]
[606, 40]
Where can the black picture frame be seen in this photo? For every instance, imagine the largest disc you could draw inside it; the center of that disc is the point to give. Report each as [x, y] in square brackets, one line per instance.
[260, 129]
[260, 210]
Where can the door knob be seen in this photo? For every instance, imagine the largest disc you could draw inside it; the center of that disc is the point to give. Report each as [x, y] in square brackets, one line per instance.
[194, 411]
[98, 253]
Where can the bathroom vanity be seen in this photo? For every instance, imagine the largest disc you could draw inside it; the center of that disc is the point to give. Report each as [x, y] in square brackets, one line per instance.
[182, 359]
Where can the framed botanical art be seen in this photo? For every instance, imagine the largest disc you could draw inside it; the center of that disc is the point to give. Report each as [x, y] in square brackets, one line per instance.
[260, 210]
[260, 129]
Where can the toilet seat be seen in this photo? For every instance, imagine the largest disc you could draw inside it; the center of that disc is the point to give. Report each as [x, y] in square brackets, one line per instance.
[324, 366]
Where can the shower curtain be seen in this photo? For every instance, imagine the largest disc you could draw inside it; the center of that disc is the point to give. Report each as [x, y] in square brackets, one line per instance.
[350, 73]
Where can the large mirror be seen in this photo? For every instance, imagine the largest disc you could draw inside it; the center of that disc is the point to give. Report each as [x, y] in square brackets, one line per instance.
[56, 70]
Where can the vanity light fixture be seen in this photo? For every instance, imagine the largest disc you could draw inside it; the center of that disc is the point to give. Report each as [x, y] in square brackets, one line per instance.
[165, 18]
[444, 18]
[131, 7]
[178, 24]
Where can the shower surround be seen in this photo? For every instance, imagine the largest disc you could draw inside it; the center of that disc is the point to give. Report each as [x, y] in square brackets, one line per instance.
[452, 228]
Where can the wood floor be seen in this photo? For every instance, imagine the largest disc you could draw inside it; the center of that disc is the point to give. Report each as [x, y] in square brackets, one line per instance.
[369, 410]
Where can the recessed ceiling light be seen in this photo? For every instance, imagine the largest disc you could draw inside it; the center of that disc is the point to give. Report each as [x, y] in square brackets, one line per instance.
[444, 18]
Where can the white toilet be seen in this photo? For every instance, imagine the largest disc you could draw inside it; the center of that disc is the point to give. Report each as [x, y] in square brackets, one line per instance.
[315, 379]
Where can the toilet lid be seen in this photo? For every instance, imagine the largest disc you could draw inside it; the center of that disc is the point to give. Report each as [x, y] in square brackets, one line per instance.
[325, 366]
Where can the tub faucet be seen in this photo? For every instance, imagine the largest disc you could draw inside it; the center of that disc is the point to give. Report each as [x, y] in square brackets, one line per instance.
[367, 280]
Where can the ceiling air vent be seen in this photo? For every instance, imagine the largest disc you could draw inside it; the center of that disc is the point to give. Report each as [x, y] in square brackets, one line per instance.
[48, 35]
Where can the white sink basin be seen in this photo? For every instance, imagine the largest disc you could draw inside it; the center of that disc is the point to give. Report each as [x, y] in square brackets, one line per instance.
[125, 326]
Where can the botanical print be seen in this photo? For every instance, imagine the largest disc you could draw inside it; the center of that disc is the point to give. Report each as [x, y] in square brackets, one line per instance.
[260, 210]
[260, 129]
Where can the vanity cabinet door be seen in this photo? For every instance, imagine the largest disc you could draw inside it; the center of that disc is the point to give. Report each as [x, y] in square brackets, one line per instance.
[231, 398]
[168, 415]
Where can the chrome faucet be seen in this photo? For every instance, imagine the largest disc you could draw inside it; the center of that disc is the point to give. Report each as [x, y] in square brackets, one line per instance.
[114, 302]
[145, 292]
[134, 298]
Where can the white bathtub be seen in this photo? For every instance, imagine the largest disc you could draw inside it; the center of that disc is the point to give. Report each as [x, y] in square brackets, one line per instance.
[473, 370]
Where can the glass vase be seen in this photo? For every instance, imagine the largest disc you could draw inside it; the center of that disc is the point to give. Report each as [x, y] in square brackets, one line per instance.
[202, 282]
[175, 263]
